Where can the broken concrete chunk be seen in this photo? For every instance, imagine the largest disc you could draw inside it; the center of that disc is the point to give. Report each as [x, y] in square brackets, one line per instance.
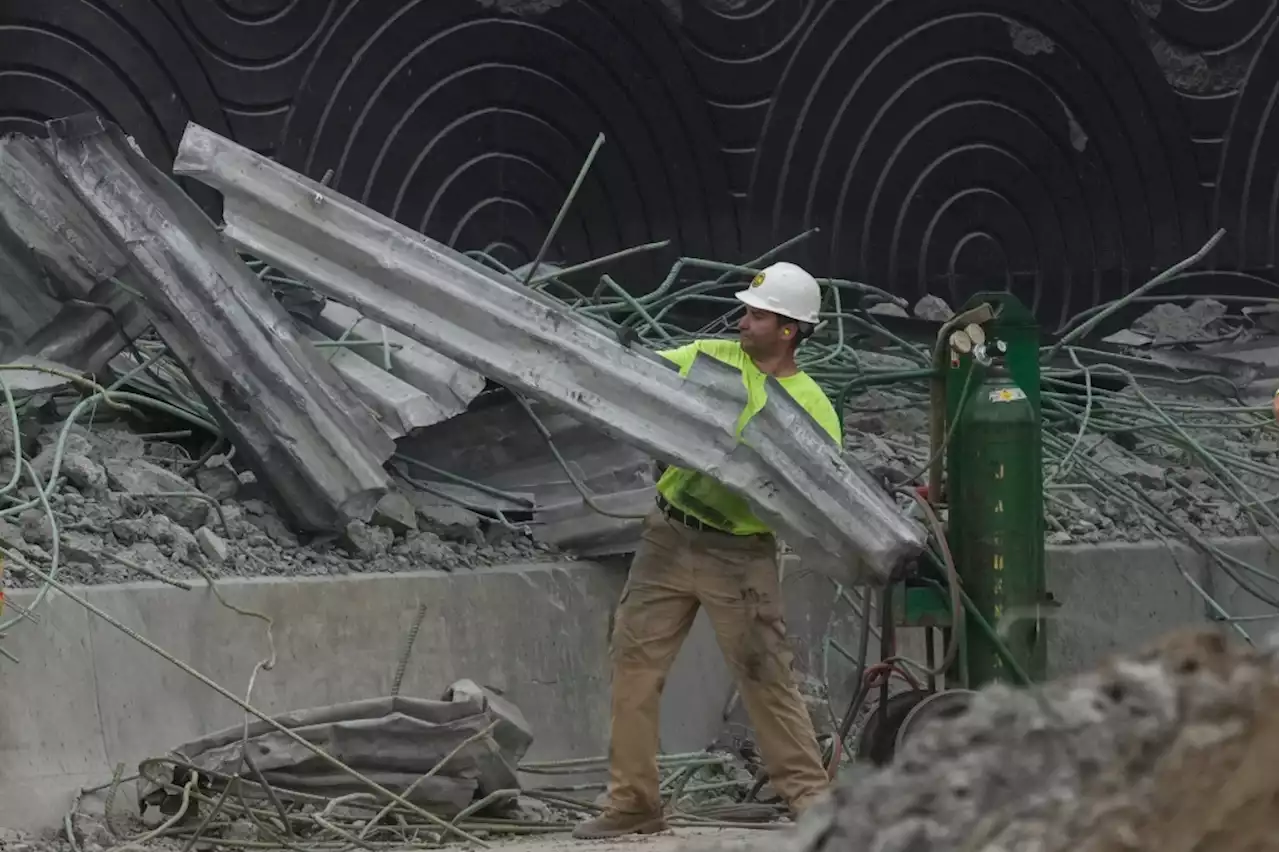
[220, 482]
[395, 512]
[425, 548]
[211, 545]
[933, 308]
[78, 547]
[174, 540]
[888, 309]
[147, 554]
[35, 527]
[269, 522]
[10, 535]
[85, 474]
[1112, 457]
[447, 520]
[361, 539]
[1171, 746]
[77, 465]
[128, 530]
[1127, 337]
[139, 478]
[42, 378]
[1168, 322]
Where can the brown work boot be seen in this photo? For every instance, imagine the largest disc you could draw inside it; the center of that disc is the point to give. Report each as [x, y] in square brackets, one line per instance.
[613, 823]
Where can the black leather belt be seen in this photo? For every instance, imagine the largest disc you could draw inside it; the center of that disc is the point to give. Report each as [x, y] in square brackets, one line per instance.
[665, 507]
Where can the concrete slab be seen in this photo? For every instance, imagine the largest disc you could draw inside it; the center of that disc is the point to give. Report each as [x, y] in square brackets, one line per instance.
[1114, 596]
[85, 696]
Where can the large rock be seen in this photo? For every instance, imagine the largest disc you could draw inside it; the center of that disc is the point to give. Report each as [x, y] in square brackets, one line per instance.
[220, 481]
[365, 541]
[933, 308]
[396, 513]
[1173, 747]
[138, 478]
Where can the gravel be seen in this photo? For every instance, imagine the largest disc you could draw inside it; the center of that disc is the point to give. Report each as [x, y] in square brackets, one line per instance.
[119, 520]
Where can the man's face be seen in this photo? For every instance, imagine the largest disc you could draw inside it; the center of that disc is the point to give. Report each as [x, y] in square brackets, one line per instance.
[762, 333]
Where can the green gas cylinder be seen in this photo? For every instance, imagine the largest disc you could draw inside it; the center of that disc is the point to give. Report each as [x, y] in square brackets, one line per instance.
[996, 523]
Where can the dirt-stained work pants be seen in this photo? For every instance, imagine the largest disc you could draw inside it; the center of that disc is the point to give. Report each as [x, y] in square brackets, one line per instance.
[735, 578]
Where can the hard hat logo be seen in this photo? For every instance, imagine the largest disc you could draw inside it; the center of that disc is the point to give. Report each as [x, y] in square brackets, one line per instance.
[786, 290]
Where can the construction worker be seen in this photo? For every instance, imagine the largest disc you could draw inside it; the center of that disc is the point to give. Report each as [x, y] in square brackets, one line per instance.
[702, 546]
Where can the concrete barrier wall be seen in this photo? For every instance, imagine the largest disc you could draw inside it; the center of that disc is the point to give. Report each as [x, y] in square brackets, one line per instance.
[85, 696]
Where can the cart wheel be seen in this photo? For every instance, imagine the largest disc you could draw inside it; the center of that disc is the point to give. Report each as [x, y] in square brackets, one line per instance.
[880, 732]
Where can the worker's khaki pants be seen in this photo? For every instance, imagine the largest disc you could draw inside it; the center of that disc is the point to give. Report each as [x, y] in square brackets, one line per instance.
[736, 580]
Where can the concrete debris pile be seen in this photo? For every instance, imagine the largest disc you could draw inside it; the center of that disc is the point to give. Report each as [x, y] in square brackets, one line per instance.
[886, 431]
[1169, 748]
[128, 513]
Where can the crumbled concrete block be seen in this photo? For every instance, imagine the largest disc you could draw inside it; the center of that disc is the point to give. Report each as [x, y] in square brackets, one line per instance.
[933, 308]
[447, 520]
[81, 548]
[35, 527]
[84, 473]
[271, 524]
[211, 545]
[424, 548]
[888, 309]
[396, 513]
[220, 482]
[139, 478]
[361, 539]
[1172, 746]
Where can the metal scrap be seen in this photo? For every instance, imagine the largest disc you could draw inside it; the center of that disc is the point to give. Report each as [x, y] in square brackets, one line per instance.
[274, 396]
[399, 407]
[394, 740]
[787, 468]
[512, 469]
[57, 297]
[448, 386]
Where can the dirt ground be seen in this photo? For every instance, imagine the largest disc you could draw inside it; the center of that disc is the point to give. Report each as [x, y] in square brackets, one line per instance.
[679, 840]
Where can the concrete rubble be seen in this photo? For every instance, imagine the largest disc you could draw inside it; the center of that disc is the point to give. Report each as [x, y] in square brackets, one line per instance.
[112, 531]
[1171, 747]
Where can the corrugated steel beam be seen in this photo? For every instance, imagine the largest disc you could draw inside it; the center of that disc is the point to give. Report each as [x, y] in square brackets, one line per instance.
[57, 298]
[291, 417]
[450, 386]
[792, 474]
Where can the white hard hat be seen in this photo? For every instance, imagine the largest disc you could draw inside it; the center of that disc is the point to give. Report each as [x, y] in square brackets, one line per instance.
[784, 289]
